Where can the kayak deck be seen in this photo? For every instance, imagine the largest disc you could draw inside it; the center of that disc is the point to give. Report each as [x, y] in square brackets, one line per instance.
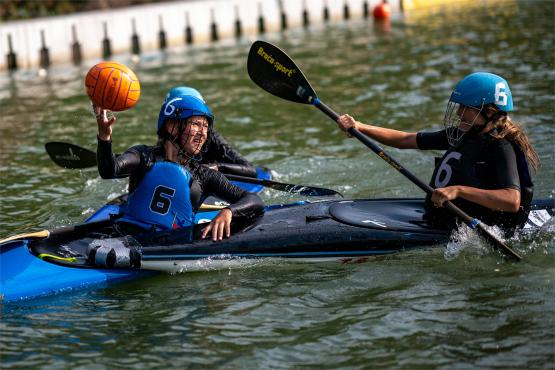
[31, 276]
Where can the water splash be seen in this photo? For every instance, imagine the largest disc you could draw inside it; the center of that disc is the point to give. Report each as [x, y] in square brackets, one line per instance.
[524, 241]
[464, 238]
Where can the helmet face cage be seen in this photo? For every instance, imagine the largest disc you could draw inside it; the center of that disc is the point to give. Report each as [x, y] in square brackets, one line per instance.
[186, 131]
[183, 131]
[453, 122]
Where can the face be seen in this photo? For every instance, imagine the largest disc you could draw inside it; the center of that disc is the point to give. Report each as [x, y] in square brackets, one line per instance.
[195, 134]
[469, 116]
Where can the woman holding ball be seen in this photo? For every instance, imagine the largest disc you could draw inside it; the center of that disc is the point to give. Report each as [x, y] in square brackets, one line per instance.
[167, 183]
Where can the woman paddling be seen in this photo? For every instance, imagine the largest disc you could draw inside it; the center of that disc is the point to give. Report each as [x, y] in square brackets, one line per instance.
[218, 154]
[486, 167]
[167, 184]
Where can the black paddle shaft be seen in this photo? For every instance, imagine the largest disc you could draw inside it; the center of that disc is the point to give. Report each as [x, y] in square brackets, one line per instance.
[290, 188]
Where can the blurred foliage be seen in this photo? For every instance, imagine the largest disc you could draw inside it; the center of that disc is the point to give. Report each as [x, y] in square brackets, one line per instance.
[11, 10]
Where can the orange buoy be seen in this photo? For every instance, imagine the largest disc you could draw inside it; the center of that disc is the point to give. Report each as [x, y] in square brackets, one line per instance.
[382, 11]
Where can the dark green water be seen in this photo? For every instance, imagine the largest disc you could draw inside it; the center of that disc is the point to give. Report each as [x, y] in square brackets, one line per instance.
[412, 310]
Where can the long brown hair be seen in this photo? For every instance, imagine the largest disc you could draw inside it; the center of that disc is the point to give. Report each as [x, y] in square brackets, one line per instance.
[506, 128]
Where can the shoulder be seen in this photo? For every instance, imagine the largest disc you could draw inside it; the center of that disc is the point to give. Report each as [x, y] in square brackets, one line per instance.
[500, 149]
[147, 153]
[198, 170]
[495, 144]
[141, 148]
[217, 139]
[499, 143]
[432, 140]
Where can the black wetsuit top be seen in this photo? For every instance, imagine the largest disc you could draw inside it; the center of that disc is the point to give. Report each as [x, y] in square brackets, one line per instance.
[229, 161]
[482, 162]
[136, 161]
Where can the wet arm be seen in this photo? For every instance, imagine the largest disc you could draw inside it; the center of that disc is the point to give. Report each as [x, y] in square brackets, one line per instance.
[507, 200]
[386, 136]
[237, 169]
[111, 166]
[242, 203]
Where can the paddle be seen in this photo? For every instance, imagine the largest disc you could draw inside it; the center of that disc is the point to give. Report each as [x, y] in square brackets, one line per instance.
[75, 157]
[47, 234]
[68, 155]
[274, 71]
[310, 191]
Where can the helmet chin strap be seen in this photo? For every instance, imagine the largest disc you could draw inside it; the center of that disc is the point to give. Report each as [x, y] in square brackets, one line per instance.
[184, 157]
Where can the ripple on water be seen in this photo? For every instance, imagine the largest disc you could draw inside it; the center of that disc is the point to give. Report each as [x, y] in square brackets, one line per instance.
[417, 309]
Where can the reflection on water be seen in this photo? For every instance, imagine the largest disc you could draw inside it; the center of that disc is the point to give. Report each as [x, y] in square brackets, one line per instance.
[411, 310]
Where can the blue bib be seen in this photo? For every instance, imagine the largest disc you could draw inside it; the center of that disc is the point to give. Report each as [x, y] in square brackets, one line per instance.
[162, 198]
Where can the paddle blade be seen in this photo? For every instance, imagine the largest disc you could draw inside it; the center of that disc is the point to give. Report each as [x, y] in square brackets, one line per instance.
[70, 156]
[271, 69]
[43, 234]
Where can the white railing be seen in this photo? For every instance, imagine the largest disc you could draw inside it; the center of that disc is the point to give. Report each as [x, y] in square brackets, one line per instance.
[88, 27]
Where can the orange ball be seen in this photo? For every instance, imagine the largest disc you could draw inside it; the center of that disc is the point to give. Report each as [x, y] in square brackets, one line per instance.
[382, 11]
[112, 86]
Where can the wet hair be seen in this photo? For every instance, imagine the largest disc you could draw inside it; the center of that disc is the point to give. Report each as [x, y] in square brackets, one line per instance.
[164, 135]
[505, 128]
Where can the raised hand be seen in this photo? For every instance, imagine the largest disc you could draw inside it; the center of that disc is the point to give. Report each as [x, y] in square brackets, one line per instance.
[104, 122]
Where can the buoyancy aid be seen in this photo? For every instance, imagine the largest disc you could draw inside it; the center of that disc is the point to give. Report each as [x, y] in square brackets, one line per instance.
[162, 199]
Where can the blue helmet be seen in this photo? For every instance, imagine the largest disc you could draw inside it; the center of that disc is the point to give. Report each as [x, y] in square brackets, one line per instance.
[183, 106]
[183, 90]
[483, 88]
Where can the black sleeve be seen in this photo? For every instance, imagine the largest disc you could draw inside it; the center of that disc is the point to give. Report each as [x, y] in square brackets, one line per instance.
[432, 140]
[237, 169]
[220, 151]
[503, 159]
[242, 203]
[111, 166]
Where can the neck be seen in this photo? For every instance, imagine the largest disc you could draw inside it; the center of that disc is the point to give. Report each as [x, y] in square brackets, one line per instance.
[171, 151]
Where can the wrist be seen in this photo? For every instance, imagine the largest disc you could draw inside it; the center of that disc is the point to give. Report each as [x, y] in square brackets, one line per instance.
[364, 128]
[104, 137]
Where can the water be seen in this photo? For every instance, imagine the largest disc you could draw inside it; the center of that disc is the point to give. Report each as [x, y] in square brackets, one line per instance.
[423, 309]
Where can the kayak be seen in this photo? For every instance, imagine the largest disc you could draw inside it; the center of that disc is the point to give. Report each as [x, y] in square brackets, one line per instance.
[345, 230]
[36, 278]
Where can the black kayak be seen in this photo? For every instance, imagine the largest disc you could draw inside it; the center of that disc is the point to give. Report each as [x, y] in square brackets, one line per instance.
[343, 229]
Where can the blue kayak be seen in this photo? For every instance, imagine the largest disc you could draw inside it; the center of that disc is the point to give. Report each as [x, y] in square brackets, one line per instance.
[30, 276]
[345, 230]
